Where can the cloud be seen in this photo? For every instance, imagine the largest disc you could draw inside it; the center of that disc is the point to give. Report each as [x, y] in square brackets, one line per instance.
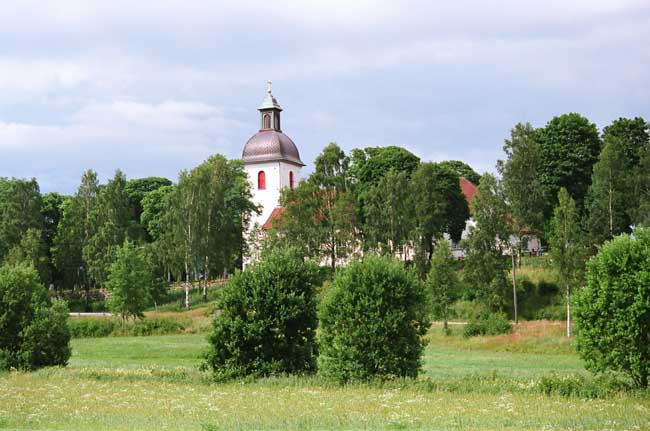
[153, 88]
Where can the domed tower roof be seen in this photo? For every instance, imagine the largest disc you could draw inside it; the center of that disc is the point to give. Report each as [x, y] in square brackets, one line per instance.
[270, 144]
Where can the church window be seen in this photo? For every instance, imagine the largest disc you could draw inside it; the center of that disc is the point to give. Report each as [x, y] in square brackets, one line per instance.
[291, 180]
[261, 180]
[267, 121]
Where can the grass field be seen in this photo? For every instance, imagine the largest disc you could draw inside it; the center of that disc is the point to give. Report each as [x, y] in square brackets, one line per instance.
[127, 383]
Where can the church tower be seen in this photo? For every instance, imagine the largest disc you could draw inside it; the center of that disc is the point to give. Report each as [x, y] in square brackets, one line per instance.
[271, 160]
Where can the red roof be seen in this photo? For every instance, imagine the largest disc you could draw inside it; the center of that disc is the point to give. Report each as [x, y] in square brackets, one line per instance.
[469, 189]
[277, 211]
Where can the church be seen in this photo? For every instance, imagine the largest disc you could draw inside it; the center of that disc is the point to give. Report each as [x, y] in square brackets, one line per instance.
[271, 160]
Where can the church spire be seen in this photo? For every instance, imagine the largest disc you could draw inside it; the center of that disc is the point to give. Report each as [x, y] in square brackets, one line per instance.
[270, 111]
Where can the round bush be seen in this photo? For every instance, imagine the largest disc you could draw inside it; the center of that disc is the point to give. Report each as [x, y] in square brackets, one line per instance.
[266, 321]
[613, 311]
[33, 332]
[372, 321]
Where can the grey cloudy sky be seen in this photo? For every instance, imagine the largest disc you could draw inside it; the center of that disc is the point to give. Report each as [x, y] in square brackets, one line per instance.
[153, 87]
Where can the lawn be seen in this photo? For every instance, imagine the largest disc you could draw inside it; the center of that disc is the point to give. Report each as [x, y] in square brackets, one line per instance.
[127, 383]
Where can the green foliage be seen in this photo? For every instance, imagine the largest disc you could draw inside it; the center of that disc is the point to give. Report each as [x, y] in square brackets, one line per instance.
[372, 321]
[46, 338]
[320, 214]
[267, 319]
[567, 250]
[33, 332]
[462, 169]
[112, 218]
[488, 323]
[368, 165]
[103, 327]
[486, 265]
[521, 178]
[613, 310]
[443, 283]
[74, 230]
[568, 148]
[440, 207]
[611, 195]
[32, 251]
[130, 281]
[389, 213]
[20, 210]
[137, 189]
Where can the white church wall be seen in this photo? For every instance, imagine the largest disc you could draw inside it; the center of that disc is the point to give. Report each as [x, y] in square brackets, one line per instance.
[268, 198]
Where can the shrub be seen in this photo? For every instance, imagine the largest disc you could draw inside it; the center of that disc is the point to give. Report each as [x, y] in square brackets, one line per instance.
[33, 332]
[372, 321]
[488, 324]
[130, 280]
[102, 327]
[613, 310]
[267, 320]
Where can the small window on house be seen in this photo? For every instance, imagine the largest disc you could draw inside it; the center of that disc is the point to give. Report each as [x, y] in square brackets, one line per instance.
[291, 180]
[261, 180]
[267, 121]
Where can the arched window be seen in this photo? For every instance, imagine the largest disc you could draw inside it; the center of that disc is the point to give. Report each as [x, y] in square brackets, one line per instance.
[291, 180]
[267, 121]
[261, 180]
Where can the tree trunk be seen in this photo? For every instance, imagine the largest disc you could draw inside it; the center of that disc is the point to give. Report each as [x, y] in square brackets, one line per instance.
[187, 286]
[514, 285]
[446, 325]
[568, 314]
[205, 280]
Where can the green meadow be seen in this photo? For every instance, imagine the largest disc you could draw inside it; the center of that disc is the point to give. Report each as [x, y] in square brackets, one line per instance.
[127, 383]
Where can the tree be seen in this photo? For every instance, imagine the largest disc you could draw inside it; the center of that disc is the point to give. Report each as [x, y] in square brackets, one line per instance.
[567, 251]
[443, 282]
[568, 148]
[367, 166]
[74, 230]
[631, 136]
[52, 212]
[320, 213]
[33, 331]
[613, 312]
[440, 208]
[111, 217]
[611, 193]
[462, 169]
[20, 210]
[389, 216]
[158, 219]
[267, 320]
[130, 282]
[136, 190]
[522, 184]
[486, 263]
[372, 321]
[32, 251]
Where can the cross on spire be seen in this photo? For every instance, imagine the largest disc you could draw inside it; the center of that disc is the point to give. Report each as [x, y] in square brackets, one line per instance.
[268, 90]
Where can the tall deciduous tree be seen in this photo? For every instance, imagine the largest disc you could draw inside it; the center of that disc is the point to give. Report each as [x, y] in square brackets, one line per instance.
[567, 250]
[20, 210]
[74, 230]
[443, 282]
[462, 169]
[569, 146]
[111, 218]
[440, 208]
[611, 193]
[521, 178]
[389, 216]
[130, 281]
[320, 213]
[486, 263]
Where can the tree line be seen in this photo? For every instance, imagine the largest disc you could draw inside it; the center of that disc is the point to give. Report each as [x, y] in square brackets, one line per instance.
[191, 230]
